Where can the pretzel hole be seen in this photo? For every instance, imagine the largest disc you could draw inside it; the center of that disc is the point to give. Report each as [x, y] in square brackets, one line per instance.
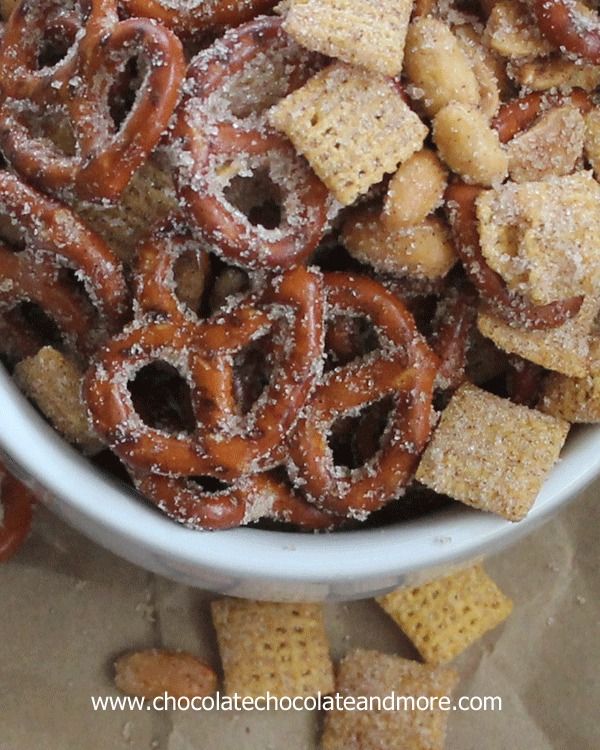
[348, 337]
[190, 280]
[58, 37]
[39, 322]
[355, 439]
[251, 372]
[11, 234]
[209, 484]
[162, 398]
[123, 93]
[257, 197]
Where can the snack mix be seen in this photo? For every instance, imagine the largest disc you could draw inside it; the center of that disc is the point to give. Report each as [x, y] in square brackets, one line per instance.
[306, 265]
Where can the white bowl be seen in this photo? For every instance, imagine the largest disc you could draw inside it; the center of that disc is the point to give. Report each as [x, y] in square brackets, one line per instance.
[268, 564]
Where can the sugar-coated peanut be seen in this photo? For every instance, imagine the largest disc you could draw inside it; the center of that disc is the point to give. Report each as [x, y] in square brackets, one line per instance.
[469, 146]
[415, 190]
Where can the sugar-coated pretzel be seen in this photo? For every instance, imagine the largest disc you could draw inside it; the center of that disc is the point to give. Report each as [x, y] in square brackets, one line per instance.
[251, 442]
[105, 157]
[224, 444]
[56, 237]
[82, 23]
[219, 146]
[25, 280]
[188, 19]
[524, 380]
[518, 114]
[155, 282]
[566, 26]
[404, 369]
[15, 519]
[513, 308]
[249, 498]
[450, 341]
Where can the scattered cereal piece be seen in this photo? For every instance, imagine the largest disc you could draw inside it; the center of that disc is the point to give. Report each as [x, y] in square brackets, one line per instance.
[592, 139]
[264, 646]
[444, 617]
[436, 66]
[352, 126]
[415, 190]
[490, 453]
[53, 382]
[124, 224]
[468, 145]
[367, 33]
[552, 146]
[512, 32]
[366, 674]
[574, 399]
[543, 238]
[154, 672]
[424, 249]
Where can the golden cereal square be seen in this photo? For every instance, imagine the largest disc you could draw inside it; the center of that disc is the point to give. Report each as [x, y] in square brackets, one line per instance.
[442, 618]
[490, 453]
[366, 33]
[53, 383]
[352, 126]
[368, 675]
[565, 349]
[543, 237]
[280, 648]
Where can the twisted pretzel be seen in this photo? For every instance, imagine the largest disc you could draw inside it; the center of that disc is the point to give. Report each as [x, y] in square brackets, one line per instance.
[217, 146]
[15, 520]
[155, 283]
[513, 308]
[24, 33]
[105, 157]
[224, 444]
[569, 28]
[456, 316]
[518, 114]
[405, 369]
[55, 237]
[200, 16]
[248, 499]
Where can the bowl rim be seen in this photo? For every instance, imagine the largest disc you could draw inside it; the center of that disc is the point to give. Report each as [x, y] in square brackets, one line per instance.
[362, 555]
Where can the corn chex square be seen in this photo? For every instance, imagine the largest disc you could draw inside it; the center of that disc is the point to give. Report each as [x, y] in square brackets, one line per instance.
[442, 618]
[366, 33]
[280, 648]
[366, 675]
[491, 454]
[352, 126]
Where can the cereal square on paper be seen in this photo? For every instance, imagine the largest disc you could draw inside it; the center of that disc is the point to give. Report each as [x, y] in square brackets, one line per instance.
[442, 618]
[543, 237]
[366, 33]
[565, 349]
[352, 126]
[364, 674]
[491, 454]
[280, 648]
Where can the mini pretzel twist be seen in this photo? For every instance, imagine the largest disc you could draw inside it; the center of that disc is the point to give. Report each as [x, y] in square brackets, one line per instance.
[513, 308]
[404, 369]
[15, 520]
[225, 444]
[79, 88]
[213, 144]
[189, 19]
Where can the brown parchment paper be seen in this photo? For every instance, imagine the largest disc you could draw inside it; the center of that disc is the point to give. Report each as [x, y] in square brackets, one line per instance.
[67, 608]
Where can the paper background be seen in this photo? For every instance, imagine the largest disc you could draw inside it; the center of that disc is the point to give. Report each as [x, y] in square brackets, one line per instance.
[67, 608]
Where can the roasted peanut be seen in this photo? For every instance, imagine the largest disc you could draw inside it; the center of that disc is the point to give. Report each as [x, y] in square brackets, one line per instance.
[154, 672]
[469, 146]
[424, 250]
[436, 66]
[415, 190]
